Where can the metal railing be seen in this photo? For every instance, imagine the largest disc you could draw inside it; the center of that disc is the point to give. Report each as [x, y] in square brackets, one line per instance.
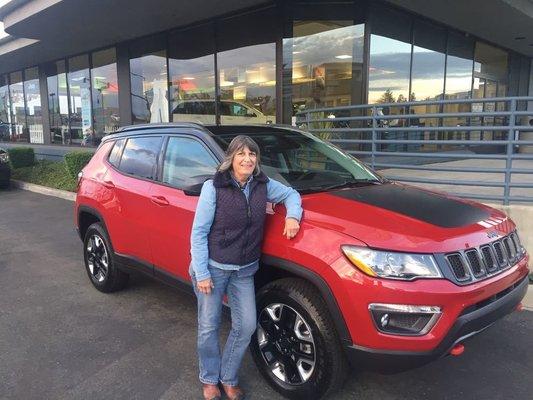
[441, 136]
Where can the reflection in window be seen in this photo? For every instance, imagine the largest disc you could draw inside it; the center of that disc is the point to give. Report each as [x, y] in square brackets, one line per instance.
[140, 156]
[459, 63]
[81, 129]
[327, 59]
[247, 69]
[427, 79]
[149, 97]
[390, 57]
[105, 94]
[429, 46]
[459, 66]
[16, 89]
[58, 102]
[5, 110]
[185, 160]
[34, 116]
[192, 75]
[116, 153]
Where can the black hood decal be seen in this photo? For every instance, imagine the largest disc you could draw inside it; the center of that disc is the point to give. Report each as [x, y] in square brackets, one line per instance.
[432, 208]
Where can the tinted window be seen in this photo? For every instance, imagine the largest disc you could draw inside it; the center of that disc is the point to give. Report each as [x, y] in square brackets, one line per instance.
[186, 159]
[114, 156]
[140, 156]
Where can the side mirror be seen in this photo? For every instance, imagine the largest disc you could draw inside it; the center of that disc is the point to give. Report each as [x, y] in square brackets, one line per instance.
[193, 190]
[195, 184]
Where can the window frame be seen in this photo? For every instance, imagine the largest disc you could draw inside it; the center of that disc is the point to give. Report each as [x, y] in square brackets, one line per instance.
[161, 162]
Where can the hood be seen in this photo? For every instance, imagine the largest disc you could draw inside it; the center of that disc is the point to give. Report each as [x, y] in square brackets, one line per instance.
[400, 217]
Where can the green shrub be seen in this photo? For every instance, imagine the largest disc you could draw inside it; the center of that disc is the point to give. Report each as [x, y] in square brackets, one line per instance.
[76, 160]
[21, 157]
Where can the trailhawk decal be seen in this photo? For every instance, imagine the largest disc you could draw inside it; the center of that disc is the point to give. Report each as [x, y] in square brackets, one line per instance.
[432, 208]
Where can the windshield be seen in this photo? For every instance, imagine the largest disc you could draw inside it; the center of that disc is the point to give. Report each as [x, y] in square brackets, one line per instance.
[301, 161]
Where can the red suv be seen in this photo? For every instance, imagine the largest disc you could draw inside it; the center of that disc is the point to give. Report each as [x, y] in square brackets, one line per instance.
[381, 274]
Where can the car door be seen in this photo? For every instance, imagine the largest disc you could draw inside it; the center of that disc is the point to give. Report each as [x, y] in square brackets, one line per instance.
[129, 179]
[186, 160]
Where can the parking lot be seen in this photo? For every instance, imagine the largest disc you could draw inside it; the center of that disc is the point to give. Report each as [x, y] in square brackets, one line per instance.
[62, 339]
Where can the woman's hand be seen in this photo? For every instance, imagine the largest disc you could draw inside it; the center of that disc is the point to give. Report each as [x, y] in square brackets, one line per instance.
[292, 226]
[205, 286]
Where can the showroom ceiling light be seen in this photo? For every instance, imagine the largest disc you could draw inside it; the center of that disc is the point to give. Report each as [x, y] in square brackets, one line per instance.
[343, 56]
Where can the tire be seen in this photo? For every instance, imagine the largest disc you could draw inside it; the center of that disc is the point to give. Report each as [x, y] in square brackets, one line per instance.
[294, 305]
[99, 264]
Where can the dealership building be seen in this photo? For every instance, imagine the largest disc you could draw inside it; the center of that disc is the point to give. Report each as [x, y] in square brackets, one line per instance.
[74, 71]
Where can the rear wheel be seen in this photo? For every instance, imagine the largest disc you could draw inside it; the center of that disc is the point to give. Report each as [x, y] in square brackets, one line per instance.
[295, 346]
[101, 269]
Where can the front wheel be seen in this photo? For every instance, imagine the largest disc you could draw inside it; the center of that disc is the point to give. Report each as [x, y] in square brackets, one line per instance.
[97, 253]
[295, 346]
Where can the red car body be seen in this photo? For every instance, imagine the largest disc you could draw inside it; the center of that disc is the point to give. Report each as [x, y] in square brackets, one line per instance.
[150, 224]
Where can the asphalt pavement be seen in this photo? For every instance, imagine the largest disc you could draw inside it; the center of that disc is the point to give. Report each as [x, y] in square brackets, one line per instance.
[62, 339]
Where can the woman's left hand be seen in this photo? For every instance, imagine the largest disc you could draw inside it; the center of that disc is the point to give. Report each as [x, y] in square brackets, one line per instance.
[292, 226]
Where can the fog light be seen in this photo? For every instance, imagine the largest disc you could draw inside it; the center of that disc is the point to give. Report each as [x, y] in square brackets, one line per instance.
[399, 319]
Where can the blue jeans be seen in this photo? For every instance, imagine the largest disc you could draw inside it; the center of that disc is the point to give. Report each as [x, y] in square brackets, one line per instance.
[239, 286]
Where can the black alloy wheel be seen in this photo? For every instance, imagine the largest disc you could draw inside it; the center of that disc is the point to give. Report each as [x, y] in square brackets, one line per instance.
[99, 262]
[296, 346]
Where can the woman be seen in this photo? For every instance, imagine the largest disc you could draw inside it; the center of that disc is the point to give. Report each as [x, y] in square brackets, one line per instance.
[226, 240]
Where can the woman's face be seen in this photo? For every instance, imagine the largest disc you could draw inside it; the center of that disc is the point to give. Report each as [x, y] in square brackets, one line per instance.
[244, 163]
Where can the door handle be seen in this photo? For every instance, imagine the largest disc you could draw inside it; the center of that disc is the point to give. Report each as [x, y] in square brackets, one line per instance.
[160, 200]
[108, 184]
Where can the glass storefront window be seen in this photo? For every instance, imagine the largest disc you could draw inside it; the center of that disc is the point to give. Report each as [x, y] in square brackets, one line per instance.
[427, 78]
[247, 69]
[326, 59]
[490, 79]
[19, 132]
[459, 63]
[5, 107]
[34, 116]
[192, 75]
[390, 57]
[58, 102]
[148, 75]
[429, 47]
[459, 67]
[79, 82]
[104, 94]
[490, 62]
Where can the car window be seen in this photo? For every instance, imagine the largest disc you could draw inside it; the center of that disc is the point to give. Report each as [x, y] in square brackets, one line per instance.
[187, 162]
[225, 108]
[238, 110]
[114, 156]
[303, 161]
[140, 156]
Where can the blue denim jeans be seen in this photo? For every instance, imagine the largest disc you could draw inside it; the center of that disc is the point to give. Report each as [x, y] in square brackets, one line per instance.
[239, 286]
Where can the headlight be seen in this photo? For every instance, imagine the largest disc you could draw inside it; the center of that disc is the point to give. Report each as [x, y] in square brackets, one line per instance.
[4, 157]
[388, 264]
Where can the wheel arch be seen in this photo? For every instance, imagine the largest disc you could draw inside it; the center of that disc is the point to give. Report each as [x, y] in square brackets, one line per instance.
[86, 217]
[285, 269]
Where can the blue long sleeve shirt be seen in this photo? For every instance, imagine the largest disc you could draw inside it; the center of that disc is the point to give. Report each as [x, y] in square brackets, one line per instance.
[205, 214]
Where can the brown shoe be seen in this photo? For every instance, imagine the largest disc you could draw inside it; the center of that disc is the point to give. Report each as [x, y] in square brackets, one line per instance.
[233, 392]
[211, 392]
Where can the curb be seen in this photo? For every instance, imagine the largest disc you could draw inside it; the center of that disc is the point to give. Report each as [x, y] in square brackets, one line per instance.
[32, 187]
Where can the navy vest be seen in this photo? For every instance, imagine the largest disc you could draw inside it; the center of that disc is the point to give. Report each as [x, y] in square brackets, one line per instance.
[237, 231]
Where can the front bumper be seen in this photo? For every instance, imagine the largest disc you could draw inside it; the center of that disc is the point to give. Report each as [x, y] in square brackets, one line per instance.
[472, 320]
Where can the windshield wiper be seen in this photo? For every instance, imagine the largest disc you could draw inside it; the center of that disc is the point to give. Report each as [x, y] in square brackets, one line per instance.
[345, 184]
